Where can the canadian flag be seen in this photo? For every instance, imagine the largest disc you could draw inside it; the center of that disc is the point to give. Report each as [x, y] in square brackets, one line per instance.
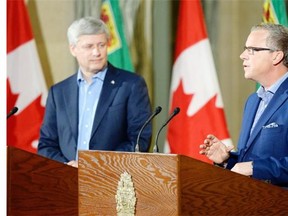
[194, 87]
[26, 87]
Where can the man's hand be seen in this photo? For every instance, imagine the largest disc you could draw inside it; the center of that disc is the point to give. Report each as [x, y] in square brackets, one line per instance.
[73, 163]
[214, 149]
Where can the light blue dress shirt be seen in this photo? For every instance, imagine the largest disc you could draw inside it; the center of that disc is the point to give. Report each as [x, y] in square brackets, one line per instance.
[89, 95]
[266, 96]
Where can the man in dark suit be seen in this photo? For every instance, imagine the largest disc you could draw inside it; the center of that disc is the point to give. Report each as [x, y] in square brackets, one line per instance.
[101, 107]
[263, 142]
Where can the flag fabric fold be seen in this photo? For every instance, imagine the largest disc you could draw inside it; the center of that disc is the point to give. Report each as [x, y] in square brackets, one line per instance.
[26, 87]
[194, 87]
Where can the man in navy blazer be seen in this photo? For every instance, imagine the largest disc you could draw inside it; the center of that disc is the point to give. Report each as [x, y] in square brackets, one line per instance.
[101, 107]
[263, 142]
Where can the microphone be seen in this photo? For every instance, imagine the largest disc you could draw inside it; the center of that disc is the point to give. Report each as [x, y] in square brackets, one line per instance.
[156, 112]
[174, 113]
[12, 112]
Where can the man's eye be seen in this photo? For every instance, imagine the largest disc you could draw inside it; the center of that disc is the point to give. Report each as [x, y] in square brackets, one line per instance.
[87, 46]
[102, 45]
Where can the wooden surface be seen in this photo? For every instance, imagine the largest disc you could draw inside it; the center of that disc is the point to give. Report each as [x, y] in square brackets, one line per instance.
[39, 186]
[211, 190]
[154, 178]
[164, 185]
[173, 185]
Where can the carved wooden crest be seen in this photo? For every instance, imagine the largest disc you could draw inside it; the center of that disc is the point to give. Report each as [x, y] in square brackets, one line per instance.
[125, 197]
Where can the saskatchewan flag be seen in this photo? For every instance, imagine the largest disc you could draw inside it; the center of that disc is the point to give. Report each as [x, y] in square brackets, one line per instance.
[274, 11]
[118, 51]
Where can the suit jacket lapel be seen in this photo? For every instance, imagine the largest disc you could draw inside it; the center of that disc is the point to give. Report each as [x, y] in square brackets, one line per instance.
[248, 119]
[71, 104]
[109, 89]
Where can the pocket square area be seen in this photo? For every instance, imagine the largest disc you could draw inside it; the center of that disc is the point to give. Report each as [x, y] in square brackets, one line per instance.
[271, 125]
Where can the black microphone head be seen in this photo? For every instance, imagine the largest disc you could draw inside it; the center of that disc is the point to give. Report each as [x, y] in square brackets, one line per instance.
[14, 110]
[158, 110]
[176, 110]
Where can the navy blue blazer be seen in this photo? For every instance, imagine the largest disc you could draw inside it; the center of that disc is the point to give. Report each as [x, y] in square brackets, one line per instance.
[267, 146]
[123, 108]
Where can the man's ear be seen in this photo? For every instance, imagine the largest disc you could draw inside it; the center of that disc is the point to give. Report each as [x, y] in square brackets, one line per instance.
[72, 50]
[278, 57]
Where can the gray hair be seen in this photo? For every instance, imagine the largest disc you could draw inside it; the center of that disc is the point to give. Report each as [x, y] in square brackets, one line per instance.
[86, 26]
[277, 39]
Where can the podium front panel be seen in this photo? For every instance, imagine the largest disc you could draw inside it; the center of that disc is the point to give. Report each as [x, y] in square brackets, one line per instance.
[154, 178]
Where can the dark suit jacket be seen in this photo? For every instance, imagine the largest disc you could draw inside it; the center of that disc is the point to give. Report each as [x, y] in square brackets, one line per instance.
[267, 146]
[122, 109]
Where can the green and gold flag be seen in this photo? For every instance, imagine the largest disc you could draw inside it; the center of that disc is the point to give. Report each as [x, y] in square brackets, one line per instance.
[118, 51]
[274, 11]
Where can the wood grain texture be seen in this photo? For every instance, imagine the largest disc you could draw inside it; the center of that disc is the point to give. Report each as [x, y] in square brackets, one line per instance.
[173, 185]
[39, 186]
[211, 190]
[154, 178]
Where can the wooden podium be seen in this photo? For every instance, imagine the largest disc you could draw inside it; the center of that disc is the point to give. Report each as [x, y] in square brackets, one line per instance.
[163, 184]
[172, 185]
[40, 186]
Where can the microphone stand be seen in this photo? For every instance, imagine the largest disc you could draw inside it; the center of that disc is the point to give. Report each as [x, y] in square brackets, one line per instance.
[175, 112]
[156, 112]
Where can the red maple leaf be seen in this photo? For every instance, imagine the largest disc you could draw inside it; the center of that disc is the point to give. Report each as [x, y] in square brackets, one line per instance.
[23, 128]
[186, 133]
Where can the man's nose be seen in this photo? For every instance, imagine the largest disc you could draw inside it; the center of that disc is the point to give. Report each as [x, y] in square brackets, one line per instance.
[243, 55]
[95, 51]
